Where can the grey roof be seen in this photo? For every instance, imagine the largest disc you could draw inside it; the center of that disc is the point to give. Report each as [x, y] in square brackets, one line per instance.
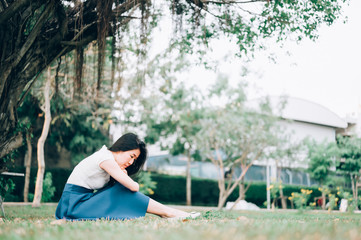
[306, 111]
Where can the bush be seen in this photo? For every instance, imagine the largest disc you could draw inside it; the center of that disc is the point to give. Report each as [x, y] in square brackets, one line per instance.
[300, 199]
[146, 184]
[48, 189]
[6, 187]
[169, 189]
[205, 192]
[59, 178]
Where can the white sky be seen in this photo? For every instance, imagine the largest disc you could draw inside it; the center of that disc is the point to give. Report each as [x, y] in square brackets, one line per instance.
[327, 71]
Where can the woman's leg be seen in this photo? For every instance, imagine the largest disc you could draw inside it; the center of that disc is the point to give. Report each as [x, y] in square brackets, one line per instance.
[161, 210]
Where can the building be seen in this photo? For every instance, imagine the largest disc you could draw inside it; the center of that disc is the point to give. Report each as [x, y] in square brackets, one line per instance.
[300, 118]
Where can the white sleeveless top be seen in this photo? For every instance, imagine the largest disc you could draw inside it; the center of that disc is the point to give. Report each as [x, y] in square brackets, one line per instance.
[88, 173]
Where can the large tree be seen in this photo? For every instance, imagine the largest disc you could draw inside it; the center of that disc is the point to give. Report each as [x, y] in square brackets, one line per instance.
[350, 162]
[235, 136]
[176, 125]
[322, 159]
[35, 33]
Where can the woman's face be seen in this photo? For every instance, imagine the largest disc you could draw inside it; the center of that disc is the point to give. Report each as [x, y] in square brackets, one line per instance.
[127, 158]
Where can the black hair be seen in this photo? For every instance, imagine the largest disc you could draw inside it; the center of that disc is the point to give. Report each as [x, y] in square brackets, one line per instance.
[127, 142]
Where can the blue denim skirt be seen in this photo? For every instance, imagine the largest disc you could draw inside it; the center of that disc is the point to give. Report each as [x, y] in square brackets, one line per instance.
[113, 202]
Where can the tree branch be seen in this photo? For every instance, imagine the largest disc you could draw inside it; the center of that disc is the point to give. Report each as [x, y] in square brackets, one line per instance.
[13, 143]
[28, 90]
[71, 45]
[233, 2]
[31, 38]
[244, 171]
[125, 7]
[230, 180]
[12, 9]
[242, 158]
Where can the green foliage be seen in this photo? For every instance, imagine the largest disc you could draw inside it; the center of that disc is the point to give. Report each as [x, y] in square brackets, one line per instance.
[347, 195]
[214, 215]
[7, 160]
[235, 134]
[322, 158]
[302, 19]
[342, 193]
[275, 189]
[300, 199]
[169, 189]
[196, 24]
[205, 192]
[78, 135]
[350, 163]
[146, 185]
[250, 25]
[80, 121]
[6, 186]
[235, 129]
[332, 202]
[59, 178]
[86, 140]
[48, 189]
[330, 196]
[178, 122]
[350, 151]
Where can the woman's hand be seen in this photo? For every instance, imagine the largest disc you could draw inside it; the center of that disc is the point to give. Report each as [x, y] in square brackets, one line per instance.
[124, 171]
[119, 174]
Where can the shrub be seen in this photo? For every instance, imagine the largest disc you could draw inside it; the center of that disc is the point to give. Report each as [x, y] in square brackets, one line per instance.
[300, 199]
[48, 189]
[6, 187]
[146, 185]
[59, 178]
[169, 189]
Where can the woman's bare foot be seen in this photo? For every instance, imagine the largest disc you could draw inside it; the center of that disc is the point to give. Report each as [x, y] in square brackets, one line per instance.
[164, 211]
[191, 215]
[175, 213]
[58, 222]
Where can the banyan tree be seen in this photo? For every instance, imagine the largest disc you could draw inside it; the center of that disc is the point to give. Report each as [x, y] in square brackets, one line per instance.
[34, 33]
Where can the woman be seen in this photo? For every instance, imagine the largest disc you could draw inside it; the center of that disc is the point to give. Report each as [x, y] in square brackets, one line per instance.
[117, 201]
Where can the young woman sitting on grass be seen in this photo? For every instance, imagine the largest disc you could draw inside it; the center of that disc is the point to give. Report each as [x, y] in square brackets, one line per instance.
[114, 200]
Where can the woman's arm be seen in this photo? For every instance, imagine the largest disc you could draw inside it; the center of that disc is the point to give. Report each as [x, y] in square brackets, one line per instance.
[111, 167]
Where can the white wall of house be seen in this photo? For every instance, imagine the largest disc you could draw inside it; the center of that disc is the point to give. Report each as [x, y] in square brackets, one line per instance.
[302, 130]
[305, 119]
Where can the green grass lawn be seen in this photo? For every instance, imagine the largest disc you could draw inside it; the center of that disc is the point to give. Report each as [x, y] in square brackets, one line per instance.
[25, 222]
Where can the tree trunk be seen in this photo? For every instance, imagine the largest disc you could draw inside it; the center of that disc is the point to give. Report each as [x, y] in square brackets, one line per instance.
[222, 199]
[323, 200]
[354, 190]
[353, 186]
[27, 166]
[356, 198]
[189, 180]
[283, 199]
[242, 193]
[242, 190]
[357, 187]
[221, 187]
[41, 142]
